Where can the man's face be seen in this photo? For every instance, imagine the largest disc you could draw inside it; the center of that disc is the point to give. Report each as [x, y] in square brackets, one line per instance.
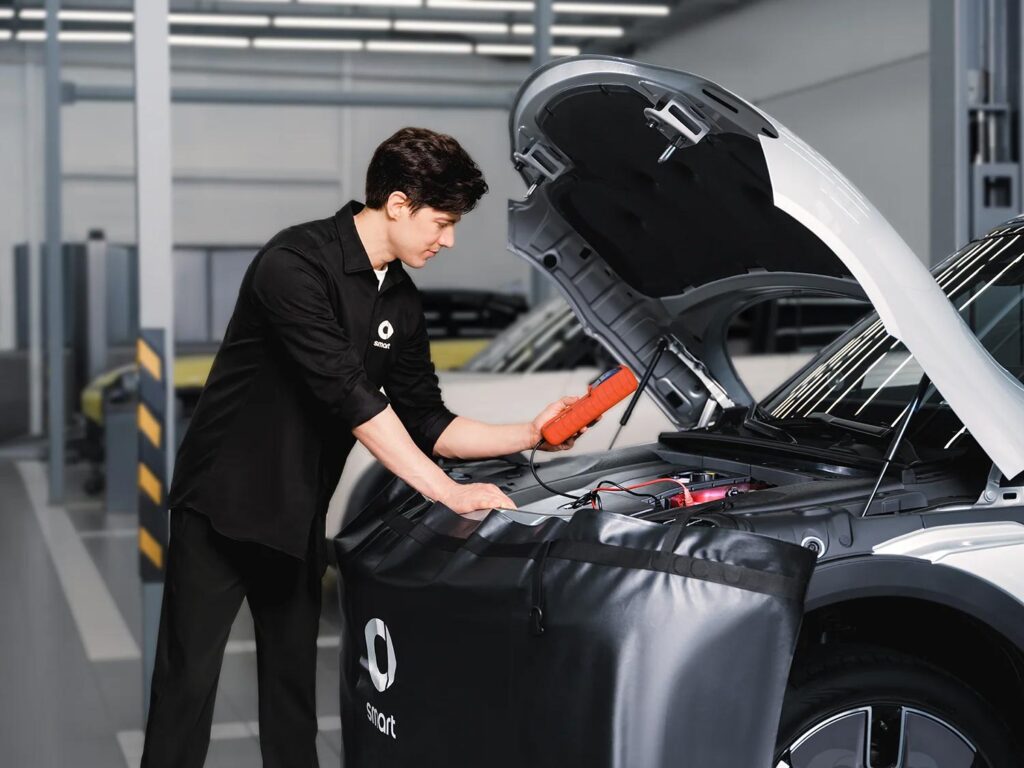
[416, 237]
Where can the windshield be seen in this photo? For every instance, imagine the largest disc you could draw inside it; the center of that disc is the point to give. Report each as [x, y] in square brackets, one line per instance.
[867, 376]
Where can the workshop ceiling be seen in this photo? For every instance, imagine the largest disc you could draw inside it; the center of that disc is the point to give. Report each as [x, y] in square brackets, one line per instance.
[495, 28]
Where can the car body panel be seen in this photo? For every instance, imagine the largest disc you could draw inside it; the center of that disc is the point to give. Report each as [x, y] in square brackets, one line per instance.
[990, 550]
[621, 228]
[868, 576]
[190, 374]
[910, 304]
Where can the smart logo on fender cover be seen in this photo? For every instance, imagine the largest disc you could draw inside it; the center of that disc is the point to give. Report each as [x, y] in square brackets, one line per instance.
[382, 680]
[385, 330]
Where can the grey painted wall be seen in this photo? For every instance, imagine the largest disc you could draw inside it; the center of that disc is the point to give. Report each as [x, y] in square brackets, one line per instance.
[244, 172]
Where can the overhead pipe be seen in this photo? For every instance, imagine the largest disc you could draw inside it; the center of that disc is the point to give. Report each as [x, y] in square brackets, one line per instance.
[74, 92]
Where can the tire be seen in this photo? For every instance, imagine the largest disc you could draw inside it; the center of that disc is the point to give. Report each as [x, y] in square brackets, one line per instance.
[833, 696]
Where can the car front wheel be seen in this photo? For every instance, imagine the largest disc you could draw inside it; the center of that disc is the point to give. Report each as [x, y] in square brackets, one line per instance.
[856, 707]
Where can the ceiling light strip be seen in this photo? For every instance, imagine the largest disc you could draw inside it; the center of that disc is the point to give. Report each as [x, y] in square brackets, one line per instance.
[492, 6]
[321, 22]
[5, 34]
[6, 13]
[305, 44]
[75, 36]
[415, 46]
[527, 6]
[127, 17]
[504, 49]
[39, 14]
[572, 30]
[208, 41]
[468, 27]
[371, 3]
[612, 9]
[219, 19]
[513, 49]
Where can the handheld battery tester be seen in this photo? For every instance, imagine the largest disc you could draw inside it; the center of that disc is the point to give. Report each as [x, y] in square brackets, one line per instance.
[604, 392]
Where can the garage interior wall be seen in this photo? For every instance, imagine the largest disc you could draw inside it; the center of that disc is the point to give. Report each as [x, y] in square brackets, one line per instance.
[242, 172]
[853, 83]
[850, 78]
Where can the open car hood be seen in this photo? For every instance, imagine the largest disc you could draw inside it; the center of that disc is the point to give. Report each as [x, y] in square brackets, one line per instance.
[657, 197]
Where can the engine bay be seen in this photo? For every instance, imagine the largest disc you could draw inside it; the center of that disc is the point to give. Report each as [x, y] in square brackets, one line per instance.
[663, 485]
[647, 491]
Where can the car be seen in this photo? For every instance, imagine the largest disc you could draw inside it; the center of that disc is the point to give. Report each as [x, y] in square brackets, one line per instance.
[541, 357]
[120, 385]
[661, 203]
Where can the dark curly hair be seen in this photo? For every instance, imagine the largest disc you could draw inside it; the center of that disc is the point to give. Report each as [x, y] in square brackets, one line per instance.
[431, 168]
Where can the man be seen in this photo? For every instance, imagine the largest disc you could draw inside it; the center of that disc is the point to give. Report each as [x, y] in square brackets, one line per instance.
[327, 344]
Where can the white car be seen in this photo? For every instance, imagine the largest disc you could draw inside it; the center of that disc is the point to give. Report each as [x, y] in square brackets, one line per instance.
[659, 203]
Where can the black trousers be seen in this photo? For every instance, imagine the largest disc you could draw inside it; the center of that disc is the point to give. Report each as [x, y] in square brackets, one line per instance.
[207, 577]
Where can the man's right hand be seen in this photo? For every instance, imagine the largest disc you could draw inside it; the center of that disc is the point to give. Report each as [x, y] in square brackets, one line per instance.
[470, 497]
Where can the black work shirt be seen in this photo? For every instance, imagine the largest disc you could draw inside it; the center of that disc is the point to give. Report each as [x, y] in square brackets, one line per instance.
[310, 344]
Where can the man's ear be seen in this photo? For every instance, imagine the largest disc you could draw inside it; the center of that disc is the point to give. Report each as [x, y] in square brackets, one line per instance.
[396, 205]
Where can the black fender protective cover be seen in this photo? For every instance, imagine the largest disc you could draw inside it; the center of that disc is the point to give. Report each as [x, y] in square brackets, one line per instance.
[604, 641]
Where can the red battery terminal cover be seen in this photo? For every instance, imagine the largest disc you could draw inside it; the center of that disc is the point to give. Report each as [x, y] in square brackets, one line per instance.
[608, 389]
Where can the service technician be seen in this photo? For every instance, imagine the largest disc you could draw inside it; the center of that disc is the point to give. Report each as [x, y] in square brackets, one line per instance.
[327, 345]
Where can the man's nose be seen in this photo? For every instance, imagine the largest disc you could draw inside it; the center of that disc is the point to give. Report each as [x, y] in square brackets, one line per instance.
[447, 237]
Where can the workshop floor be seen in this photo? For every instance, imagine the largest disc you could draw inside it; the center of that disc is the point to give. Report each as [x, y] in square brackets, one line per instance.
[70, 668]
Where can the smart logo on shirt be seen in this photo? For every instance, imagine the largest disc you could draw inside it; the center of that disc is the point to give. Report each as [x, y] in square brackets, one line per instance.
[385, 330]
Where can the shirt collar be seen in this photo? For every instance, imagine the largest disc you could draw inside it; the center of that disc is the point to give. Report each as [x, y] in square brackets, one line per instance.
[353, 252]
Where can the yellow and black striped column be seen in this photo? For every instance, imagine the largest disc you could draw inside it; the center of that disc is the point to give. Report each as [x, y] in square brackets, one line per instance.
[152, 418]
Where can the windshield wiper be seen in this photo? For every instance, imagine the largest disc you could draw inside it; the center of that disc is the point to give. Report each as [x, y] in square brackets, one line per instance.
[755, 421]
[874, 430]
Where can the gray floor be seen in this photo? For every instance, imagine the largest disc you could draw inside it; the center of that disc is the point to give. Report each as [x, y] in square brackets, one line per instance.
[70, 673]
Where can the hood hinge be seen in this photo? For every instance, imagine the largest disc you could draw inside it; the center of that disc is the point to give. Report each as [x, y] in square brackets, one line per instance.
[541, 160]
[716, 392]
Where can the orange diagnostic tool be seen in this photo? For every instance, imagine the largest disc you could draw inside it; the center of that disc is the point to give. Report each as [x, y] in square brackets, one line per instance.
[607, 390]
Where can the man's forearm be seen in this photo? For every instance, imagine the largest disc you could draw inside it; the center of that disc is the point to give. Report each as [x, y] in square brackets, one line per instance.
[469, 439]
[386, 438]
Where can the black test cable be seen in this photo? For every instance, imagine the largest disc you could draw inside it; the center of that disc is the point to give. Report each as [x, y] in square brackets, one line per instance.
[589, 495]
